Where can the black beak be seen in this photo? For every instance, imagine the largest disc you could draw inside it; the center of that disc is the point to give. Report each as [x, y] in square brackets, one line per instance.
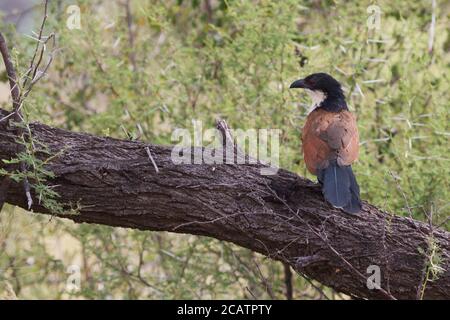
[299, 84]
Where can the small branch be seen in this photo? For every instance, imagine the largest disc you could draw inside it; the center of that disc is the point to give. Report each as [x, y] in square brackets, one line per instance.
[11, 72]
[129, 19]
[315, 287]
[227, 138]
[32, 68]
[288, 281]
[205, 222]
[151, 159]
[264, 281]
[229, 144]
[428, 258]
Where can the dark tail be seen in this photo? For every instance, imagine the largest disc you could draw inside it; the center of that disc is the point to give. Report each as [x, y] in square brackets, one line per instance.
[340, 188]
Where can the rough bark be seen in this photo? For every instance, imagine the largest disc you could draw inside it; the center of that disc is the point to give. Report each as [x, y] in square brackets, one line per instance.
[282, 216]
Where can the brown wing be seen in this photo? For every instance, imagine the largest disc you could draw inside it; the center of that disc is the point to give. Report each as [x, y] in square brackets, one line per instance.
[327, 136]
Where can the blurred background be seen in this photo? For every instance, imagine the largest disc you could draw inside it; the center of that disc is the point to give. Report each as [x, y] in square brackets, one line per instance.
[161, 64]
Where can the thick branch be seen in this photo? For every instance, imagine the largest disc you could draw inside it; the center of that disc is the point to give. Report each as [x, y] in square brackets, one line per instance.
[282, 216]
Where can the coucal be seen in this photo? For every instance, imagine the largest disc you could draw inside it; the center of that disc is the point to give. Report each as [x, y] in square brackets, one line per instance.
[330, 141]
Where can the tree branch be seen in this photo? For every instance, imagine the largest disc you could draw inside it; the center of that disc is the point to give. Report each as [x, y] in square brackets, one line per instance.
[288, 281]
[282, 216]
[11, 72]
[18, 97]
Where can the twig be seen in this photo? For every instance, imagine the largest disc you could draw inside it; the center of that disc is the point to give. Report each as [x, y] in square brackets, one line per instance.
[316, 287]
[41, 30]
[288, 281]
[228, 143]
[7, 117]
[428, 256]
[230, 146]
[11, 72]
[129, 18]
[443, 222]
[206, 222]
[251, 293]
[400, 189]
[37, 74]
[264, 281]
[151, 159]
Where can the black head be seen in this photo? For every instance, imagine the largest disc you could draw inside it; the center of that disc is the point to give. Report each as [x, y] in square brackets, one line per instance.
[325, 91]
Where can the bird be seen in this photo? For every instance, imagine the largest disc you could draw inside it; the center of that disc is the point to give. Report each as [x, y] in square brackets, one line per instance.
[330, 141]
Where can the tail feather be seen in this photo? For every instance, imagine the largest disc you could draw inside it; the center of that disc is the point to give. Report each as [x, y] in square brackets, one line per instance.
[340, 188]
[355, 204]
